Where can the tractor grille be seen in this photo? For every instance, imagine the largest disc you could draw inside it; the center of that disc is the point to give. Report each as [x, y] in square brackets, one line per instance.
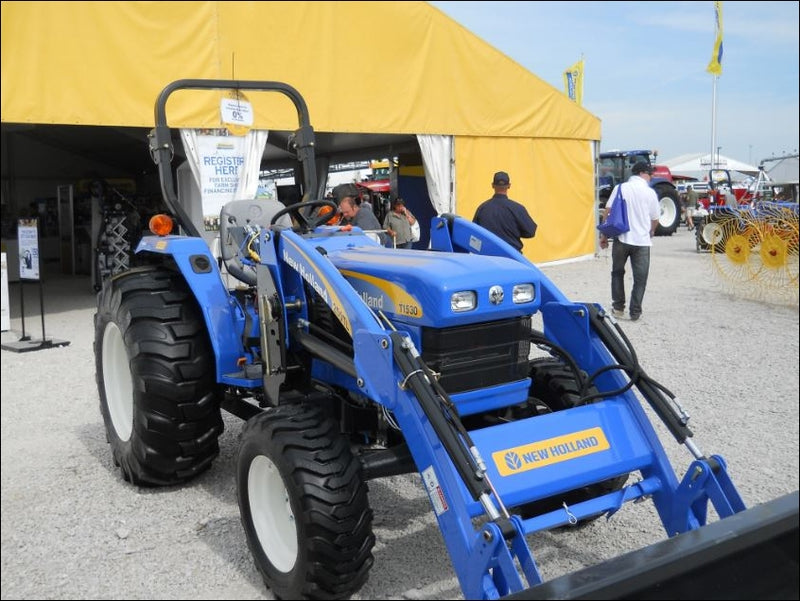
[478, 355]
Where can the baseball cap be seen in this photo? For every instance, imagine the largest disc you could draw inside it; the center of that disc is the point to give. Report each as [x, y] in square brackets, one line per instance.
[642, 167]
[501, 179]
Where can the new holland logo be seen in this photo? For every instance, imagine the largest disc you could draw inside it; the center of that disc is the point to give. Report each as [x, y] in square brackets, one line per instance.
[513, 461]
[547, 452]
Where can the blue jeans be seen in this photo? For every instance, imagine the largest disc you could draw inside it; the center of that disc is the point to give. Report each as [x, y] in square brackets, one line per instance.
[640, 267]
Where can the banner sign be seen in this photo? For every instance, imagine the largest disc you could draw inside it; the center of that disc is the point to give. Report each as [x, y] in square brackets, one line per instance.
[221, 164]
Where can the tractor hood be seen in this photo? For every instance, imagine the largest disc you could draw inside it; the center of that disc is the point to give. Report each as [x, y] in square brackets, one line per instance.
[418, 286]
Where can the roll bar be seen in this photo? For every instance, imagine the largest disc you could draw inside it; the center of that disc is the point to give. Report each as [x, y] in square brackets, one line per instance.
[162, 150]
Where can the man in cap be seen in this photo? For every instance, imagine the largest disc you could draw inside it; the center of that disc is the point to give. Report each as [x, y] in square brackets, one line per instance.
[643, 214]
[504, 217]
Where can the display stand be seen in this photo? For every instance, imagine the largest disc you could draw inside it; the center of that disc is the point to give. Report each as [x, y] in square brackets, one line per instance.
[27, 232]
[26, 343]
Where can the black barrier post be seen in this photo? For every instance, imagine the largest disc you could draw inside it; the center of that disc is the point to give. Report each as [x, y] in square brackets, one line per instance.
[26, 343]
[22, 309]
[41, 307]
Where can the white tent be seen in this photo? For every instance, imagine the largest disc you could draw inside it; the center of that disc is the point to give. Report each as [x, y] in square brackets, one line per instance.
[698, 164]
[785, 169]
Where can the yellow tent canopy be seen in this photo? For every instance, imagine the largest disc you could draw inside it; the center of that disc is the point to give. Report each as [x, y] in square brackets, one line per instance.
[363, 67]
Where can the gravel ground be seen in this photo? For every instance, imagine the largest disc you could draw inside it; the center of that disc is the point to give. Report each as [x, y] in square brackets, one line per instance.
[72, 528]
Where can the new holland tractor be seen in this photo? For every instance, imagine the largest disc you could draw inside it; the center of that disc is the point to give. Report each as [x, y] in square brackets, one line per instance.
[350, 361]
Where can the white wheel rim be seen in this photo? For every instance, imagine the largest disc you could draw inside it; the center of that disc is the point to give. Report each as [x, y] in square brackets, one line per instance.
[667, 214]
[712, 233]
[117, 381]
[273, 519]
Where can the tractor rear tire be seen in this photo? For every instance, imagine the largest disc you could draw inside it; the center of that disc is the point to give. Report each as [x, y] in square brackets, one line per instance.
[669, 204]
[554, 384]
[155, 377]
[303, 504]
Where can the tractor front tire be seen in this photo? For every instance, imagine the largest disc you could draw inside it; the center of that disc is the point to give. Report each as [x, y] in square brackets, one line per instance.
[155, 376]
[669, 205]
[303, 504]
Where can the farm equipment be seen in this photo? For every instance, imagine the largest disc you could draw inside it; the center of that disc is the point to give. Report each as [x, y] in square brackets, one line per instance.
[350, 362]
[615, 167]
[716, 209]
[745, 225]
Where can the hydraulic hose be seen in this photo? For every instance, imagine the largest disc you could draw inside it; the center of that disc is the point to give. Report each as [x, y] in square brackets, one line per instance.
[652, 391]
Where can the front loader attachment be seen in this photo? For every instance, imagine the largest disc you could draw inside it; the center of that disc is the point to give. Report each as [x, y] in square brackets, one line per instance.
[478, 481]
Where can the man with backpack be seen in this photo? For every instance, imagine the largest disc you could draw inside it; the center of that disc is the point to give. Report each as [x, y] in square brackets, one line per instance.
[643, 214]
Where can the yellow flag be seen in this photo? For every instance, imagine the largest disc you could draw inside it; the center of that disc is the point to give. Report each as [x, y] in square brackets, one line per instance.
[573, 82]
[715, 66]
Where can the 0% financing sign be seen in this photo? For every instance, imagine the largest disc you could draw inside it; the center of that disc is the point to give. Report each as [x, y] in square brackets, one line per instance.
[236, 112]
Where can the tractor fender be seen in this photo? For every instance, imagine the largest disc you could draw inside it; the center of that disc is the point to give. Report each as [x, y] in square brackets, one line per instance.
[200, 269]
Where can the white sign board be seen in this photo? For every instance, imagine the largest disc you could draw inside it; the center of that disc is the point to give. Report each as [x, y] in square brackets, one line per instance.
[236, 111]
[28, 237]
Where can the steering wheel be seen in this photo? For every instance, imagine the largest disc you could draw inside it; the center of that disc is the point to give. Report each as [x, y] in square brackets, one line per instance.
[306, 223]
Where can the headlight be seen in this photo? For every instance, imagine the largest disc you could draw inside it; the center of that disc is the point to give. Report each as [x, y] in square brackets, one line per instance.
[523, 293]
[462, 301]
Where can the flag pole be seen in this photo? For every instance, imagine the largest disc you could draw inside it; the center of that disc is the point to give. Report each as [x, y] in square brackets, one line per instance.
[713, 121]
[715, 68]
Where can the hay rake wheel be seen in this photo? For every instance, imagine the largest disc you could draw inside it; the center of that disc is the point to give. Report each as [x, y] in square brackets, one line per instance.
[756, 253]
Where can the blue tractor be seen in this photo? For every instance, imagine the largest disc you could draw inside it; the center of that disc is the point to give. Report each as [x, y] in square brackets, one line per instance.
[350, 361]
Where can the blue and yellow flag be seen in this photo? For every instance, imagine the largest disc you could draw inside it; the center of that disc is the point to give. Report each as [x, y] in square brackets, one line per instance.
[715, 66]
[573, 82]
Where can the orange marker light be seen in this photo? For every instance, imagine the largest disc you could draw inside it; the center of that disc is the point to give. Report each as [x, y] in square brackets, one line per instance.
[161, 224]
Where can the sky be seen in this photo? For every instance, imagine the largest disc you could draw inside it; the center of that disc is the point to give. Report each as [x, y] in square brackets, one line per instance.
[645, 72]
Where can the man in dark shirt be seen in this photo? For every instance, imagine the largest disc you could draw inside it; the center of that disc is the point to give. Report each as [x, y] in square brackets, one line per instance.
[504, 217]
